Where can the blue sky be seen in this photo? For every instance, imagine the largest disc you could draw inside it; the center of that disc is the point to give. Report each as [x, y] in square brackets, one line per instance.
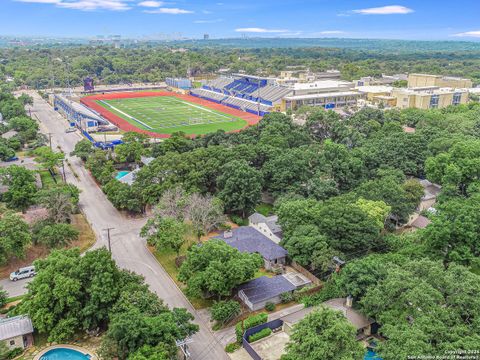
[414, 19]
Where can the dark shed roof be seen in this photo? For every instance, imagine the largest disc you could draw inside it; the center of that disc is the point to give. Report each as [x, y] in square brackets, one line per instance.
[265, 288]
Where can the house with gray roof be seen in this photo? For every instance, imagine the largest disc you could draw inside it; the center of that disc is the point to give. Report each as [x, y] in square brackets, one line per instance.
[258, 292]
[267, 225]
[17, 332]
[250, 240]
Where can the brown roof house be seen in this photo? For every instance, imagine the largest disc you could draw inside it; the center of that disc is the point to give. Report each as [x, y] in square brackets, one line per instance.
[421, 222]
[362, 323]
[17, 332]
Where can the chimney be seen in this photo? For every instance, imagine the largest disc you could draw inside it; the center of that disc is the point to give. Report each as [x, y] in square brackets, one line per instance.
[228, 234]
[349, 301]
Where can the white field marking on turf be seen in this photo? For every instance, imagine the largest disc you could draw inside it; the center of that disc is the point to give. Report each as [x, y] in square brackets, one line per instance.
[201, 108]
[124, 113]
[200, 111]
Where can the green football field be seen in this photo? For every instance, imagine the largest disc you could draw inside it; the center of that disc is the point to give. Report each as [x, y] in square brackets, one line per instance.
[169, 114]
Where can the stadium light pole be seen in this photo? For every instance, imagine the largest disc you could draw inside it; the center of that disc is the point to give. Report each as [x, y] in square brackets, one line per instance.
[258, 98]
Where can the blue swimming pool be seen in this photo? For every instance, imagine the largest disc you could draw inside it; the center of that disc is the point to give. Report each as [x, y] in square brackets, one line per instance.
[371, 355]
[64, 354]
[121, 174]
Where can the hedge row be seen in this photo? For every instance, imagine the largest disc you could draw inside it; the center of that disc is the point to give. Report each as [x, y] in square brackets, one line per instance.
[259, 335]
[248, 323]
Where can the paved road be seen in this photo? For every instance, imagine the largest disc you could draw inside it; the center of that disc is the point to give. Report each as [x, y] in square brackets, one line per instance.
[128, 249]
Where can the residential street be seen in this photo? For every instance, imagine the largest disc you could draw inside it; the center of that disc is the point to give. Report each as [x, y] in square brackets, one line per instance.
[128, 249]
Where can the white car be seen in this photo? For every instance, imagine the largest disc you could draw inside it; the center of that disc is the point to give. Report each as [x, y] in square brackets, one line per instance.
[23, 273]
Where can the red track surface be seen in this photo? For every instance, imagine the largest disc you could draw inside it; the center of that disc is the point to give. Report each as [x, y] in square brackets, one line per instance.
[91, 102]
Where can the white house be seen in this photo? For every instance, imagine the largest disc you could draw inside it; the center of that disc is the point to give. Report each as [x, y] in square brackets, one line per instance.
[268, 226]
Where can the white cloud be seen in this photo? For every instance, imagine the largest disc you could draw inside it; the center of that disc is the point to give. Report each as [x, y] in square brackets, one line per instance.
[206, 12]
[40, 1]
[331, 32]
[260, 30]
[172, 11]
[86, 5]
[208, 21]
[475, 34]
[151, 3]
[384, 10]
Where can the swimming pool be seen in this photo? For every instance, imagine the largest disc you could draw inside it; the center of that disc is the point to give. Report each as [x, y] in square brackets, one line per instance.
[121, 174]
[64, 354]
[371, 355]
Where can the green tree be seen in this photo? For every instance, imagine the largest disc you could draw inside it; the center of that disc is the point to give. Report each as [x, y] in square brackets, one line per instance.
[165, 232]
[123, 196]
[56, 235]
[224, 311]
[21, 187]
[14, 236]
[240, 187]
[348, 227]
[6, 152]
[324, 334]
[72, 292]
[454, 233]
[460, 166]
[83, 149]
[3, 296]
[308, 247]
[48, 158]
[216, 268]
[133, 147]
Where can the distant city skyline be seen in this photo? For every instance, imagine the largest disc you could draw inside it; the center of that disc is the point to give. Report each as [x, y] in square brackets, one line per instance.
[148, 19]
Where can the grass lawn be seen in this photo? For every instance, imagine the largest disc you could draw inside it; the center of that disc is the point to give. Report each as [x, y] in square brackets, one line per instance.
[168, 114]
[264, 209]
[47, 179]
[166, 258]
[262, 272]
[14, 298]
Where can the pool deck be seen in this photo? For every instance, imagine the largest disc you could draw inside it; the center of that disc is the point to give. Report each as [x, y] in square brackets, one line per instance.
[60, 346]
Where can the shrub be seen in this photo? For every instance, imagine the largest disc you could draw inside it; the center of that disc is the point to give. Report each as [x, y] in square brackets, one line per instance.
[286, 297]
[224, 311]
[329, 291]
[239, 220]
[3, 297]
[269, 306]
[248, 323]
[14, 353]
[230, 348]
[259, 335]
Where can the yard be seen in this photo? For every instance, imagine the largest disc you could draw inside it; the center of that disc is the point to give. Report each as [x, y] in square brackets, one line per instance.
[85, 240]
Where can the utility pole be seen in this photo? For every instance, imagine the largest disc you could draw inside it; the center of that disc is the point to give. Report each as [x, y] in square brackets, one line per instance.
[50, 140]
[108, 239]
[63, 170]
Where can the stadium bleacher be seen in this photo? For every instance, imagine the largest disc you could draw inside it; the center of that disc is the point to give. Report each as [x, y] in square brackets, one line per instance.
[248, 93]
[232, 101]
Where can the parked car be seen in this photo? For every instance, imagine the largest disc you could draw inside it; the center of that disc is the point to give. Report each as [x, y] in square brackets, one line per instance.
[22, 273]
[72, 129]
[13, 158]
